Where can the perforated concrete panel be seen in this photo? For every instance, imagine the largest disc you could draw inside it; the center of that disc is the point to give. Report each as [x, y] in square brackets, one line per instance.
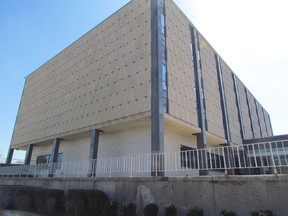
[232, 111]
[211, 89]
[254, 115]
[268, 123]
[181, 95]
[245, 110]
[103, 76]
[262, 120]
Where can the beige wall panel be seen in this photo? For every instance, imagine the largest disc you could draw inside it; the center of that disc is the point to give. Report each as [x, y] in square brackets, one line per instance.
[75, 88]
[181, 100]
[173, 140]
[262, 121]
[232, 111]
[211, 89]
[254, 115]
[268, 123]
[245, 110]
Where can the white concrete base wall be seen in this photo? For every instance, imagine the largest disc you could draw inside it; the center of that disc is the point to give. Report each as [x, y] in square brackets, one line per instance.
[174, 139]
[40, 150]
[73, 150]
[130, 141]
[134, 141]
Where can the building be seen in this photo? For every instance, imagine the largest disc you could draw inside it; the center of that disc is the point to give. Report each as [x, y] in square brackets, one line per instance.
[143, 81]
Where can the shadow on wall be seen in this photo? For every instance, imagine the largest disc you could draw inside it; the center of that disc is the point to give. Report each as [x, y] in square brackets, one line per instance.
[241, 194]
[31, 199]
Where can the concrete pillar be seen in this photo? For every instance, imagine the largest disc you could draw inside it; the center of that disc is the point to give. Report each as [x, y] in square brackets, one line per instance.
[94, 144]
[9, 156]
[157, 119]
[93, 152]
[201, 144]
[54, 154]
[200, 97]
[28, 154]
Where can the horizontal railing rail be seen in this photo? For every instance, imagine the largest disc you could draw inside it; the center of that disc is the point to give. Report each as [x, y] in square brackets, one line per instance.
[14, 161]
[260, 158]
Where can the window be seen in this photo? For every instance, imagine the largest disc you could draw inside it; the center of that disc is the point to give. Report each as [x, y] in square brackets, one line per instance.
[215, 161]
[164, 78]
[45, 159]
[162, 23]
[188, 157]
[164, 97]
[195, 101]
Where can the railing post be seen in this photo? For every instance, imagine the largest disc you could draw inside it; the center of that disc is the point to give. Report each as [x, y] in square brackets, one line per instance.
[246, 169]
[273, 162]
[131, 166]
[229, 160]
[110, 168]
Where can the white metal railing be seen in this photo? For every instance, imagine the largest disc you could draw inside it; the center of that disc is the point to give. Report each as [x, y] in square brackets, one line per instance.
[260, 158]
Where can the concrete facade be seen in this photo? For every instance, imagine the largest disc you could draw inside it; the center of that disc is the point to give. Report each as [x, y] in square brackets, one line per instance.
[242, 194]
[103, 82]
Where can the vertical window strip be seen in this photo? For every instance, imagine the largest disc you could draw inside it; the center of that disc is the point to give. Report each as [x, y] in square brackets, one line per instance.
[242, 130]
[265, 121]
[194, 81]
[163, 59]
[258, 116]
[202, 123]
[271, 129]
[250, 113]
[199, 69]
[223, 99]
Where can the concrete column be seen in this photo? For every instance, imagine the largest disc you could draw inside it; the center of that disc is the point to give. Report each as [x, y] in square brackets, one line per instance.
[157, 119]
[200, 97]
[94, 144]
[54, 154]
[28, 154]
[9, 156]
[93, 152]
[202, 157]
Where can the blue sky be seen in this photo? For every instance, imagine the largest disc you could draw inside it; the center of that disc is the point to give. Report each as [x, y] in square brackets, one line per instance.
[32, 32]
[250, 36]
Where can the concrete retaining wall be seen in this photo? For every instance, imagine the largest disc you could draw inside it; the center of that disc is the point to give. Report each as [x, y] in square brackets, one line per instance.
[241, 194]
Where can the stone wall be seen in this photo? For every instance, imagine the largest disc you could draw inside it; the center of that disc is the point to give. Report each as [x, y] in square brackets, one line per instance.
[241, 194]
